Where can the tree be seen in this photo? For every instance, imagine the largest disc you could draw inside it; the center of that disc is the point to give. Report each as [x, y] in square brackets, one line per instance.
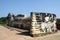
[58, 20]
[3, 20]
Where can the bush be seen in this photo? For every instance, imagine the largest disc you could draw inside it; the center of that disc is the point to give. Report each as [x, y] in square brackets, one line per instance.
[3, 20]
[58, 20]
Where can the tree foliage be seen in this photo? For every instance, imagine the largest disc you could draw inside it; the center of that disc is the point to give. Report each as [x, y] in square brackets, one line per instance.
[58, 20]
[3, 20]
[20, 15]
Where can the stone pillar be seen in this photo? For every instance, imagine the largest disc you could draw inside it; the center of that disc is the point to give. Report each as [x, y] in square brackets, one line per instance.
[34, 30]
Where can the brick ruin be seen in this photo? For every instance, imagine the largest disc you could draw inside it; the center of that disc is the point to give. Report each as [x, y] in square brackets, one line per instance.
[42, 23]
[38, 23]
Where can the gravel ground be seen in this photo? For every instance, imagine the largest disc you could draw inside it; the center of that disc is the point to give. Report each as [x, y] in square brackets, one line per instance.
[14, 34]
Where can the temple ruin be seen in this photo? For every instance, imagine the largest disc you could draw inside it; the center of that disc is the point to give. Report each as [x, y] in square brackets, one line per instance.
[38, 23]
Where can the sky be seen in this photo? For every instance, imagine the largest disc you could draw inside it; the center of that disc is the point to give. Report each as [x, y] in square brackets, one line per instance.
[27, 6]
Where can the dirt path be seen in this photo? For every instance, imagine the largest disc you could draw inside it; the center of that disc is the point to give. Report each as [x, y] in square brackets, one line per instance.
[7, 34]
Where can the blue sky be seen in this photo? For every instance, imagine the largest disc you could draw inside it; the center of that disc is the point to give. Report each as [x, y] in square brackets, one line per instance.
[27, 6]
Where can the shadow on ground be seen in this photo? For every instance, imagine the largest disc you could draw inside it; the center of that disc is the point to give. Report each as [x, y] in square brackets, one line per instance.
[24, 33]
